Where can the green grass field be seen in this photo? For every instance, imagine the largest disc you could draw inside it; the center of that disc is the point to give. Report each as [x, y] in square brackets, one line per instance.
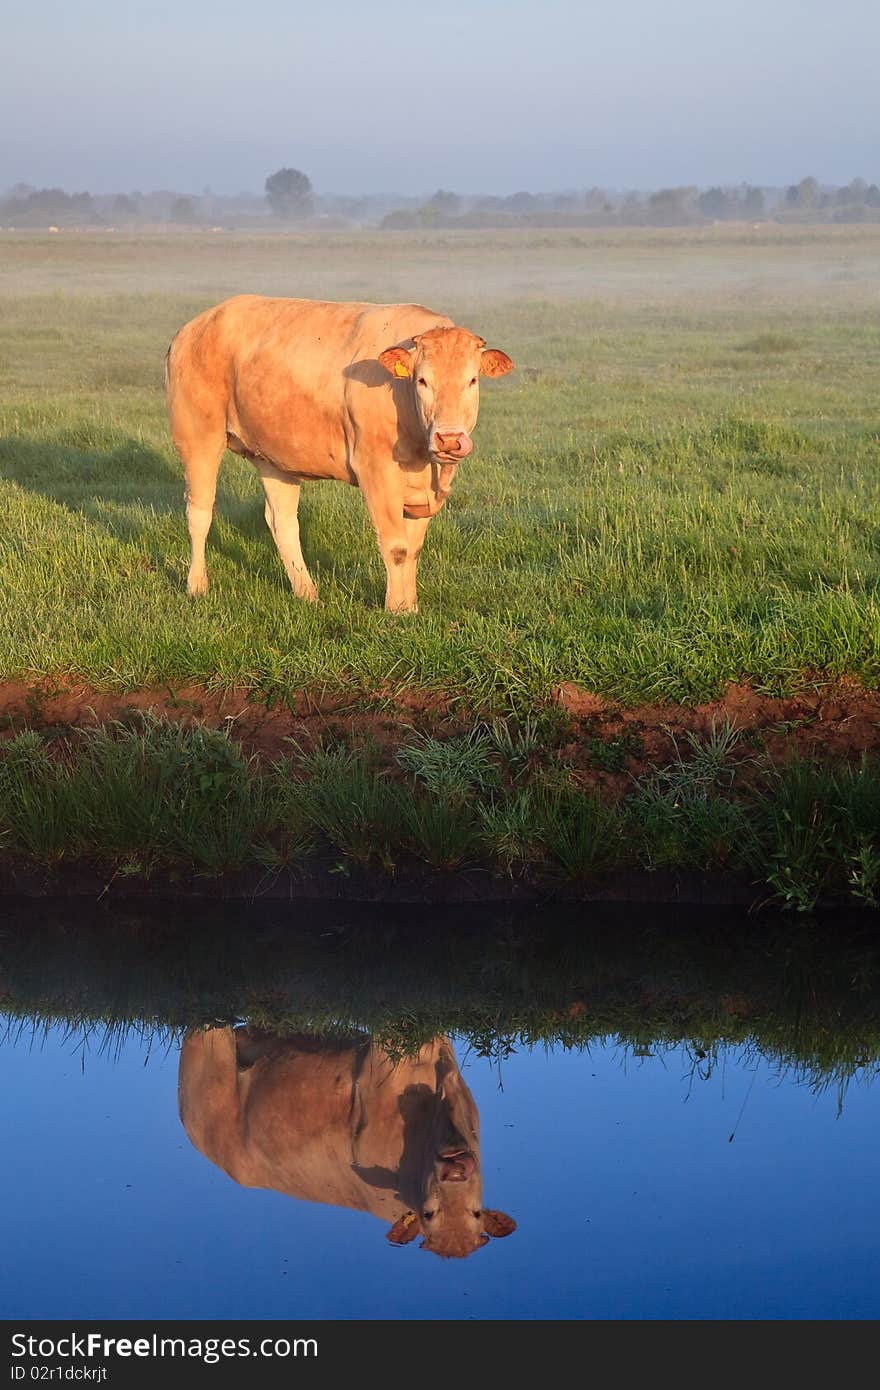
[679, 487]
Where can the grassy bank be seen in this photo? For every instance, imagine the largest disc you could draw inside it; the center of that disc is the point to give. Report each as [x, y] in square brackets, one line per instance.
[499, 803]
[678, 488]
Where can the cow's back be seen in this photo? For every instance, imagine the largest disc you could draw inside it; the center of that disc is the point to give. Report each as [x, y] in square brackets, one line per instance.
[294, 380]
[318, 1120]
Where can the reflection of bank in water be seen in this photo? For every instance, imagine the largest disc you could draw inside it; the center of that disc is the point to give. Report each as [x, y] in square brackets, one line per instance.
[804, 993]
[339, 1121]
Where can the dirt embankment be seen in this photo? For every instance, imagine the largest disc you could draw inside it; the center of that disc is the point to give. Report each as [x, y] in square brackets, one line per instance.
[604, 741]
[603, 745]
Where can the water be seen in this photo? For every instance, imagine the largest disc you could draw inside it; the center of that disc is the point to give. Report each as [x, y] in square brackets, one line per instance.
[653, 1171]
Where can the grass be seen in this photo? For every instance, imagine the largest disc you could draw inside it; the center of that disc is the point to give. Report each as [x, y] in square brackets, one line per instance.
[149, 798]
[678, 488]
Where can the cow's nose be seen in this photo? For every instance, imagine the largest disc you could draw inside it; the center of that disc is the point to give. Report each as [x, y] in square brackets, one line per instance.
[456, 1167]
[454, 442]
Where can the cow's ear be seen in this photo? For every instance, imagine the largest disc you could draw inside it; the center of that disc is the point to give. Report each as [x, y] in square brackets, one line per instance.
[494, 362]
[397, 361]
[497, 1223]
[404, 1230]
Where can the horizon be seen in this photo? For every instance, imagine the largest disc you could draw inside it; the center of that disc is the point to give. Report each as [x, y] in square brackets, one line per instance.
[23, 186]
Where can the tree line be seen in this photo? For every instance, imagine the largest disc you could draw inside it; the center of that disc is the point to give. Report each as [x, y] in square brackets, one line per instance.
[289, 198]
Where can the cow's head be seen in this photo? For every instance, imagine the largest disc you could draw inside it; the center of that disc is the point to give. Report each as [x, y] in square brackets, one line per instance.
[450, 1216]
[443, 368]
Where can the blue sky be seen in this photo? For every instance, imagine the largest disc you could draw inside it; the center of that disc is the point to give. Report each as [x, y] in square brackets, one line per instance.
[474, 95]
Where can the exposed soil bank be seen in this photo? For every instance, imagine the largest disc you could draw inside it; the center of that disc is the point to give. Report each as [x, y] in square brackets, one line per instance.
[598, 804]
[836, 719]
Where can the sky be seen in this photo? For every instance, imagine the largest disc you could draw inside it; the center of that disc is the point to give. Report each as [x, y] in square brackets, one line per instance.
[492, 96]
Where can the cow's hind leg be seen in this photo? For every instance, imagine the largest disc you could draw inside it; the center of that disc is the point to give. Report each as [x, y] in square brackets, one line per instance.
[201, 464]
[282, 504]
[199, 442]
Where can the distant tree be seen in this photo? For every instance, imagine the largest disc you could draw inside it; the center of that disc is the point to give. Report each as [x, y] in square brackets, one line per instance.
[289, 193]
[51, 205]
[183, 210]
[521, 202]
[671, 206]
[714, 203]
[872, 196]
[566, 201]
[753, 202]
[447, 203]
[399, 219]
[804, 194]
[123, 206]
[854, 192]
[439, 208]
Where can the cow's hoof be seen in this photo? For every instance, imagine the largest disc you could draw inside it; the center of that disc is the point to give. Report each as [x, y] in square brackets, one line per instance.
[197, 586]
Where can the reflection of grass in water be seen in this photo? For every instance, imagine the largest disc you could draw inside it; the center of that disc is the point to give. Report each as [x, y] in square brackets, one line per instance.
[804, 998]
[83, 1036]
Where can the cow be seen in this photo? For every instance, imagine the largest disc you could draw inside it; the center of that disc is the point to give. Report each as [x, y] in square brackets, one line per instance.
[382, 396]
[342, 1122]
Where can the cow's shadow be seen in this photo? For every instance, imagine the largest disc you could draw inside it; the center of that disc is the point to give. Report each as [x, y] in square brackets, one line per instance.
[122, 492]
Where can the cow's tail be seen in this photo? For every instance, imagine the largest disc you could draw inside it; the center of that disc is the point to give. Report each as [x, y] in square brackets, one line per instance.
[167, 362]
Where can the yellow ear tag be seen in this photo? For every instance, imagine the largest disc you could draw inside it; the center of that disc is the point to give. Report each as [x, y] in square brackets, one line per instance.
[400, 369]
[409, 1218]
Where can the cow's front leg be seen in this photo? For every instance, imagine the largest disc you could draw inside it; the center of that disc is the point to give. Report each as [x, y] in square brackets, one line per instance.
[416, 529]
[384, 498]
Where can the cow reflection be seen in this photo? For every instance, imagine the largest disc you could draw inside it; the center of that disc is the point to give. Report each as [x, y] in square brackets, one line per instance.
[342, 1122]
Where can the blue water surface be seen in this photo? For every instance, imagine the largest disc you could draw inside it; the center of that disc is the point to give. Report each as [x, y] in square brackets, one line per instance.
[643, 1187]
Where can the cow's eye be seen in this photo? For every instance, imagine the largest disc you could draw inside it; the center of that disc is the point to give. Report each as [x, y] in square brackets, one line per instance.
[428, 1215]
[422, 381]
[478, 1214]
[473, 381]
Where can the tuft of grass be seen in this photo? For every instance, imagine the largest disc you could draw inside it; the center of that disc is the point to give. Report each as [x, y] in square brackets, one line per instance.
[817, 826]
[578, 832]
[160, 787]
[452, 767]
[687, 826]
[519, 746]
[136, 793]
[711, 762]
[359, 810]
[511, 832]
[38, 814]
[444, 834]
